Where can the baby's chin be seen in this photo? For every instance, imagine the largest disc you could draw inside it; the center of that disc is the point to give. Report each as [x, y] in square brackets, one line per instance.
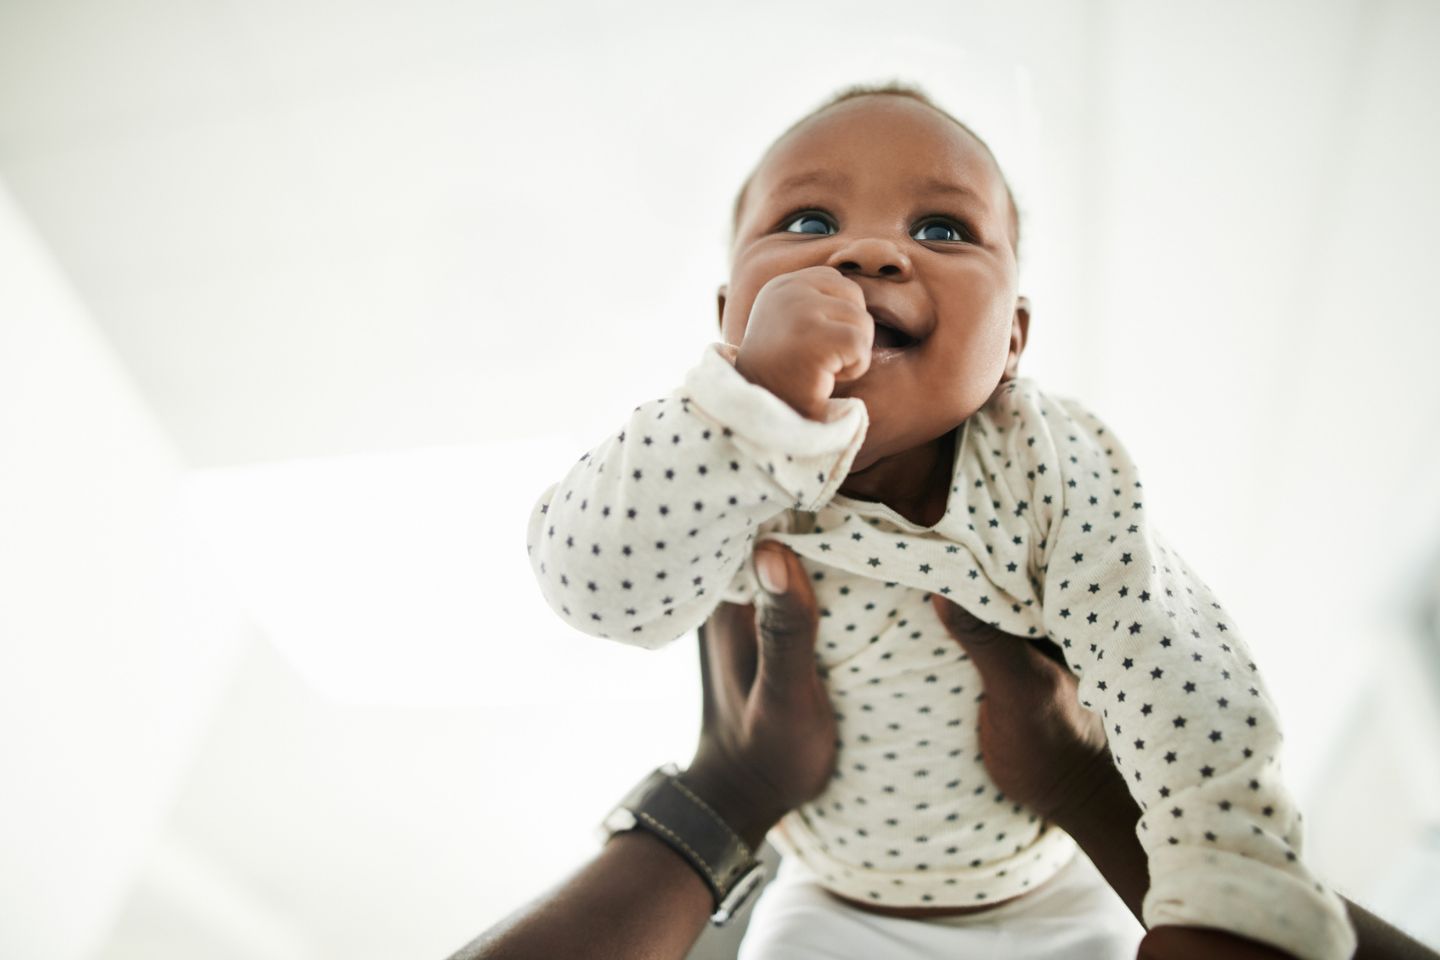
[878, 450]
[875, 451]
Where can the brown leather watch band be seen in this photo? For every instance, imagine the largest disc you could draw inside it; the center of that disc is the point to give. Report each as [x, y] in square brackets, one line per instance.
[665, 807]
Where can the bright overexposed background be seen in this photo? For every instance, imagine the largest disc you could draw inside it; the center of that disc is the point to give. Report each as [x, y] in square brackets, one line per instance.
[303, 303]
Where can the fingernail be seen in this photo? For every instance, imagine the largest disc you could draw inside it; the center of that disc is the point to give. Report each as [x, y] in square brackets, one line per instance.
[770, 567]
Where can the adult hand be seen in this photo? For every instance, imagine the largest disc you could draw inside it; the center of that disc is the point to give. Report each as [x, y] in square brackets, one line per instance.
[1047, 752]
[1039, 745]
[767, 741]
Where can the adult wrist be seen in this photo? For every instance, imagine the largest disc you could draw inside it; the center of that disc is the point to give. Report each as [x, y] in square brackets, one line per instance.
[1093, 802]
[1102, 820]
[666, 806]
[727, 792]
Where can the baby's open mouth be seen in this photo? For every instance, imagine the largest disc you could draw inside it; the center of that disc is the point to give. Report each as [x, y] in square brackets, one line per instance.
[888, 338]
[888, 335]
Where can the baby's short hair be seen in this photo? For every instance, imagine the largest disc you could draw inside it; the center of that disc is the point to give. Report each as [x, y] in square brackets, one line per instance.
[894, 88]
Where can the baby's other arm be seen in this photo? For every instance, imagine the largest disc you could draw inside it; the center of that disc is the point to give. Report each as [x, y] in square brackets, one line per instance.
[1048, 753]
[1189, 724]
[640, 539]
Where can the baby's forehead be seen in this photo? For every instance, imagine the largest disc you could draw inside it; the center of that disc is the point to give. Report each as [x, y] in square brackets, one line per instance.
[879, 125]
[880, 121]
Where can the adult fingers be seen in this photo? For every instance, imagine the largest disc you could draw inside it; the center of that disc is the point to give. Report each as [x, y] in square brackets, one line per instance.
[1002, 659]
[786, 619]
[728, 654]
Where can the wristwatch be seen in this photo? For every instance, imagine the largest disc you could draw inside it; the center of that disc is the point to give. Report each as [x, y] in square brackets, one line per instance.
[665, 807]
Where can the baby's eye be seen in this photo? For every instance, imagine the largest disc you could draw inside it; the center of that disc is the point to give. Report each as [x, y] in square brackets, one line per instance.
[944, 231]
[812, 223]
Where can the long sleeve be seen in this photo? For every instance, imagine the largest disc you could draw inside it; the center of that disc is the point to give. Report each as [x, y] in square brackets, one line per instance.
[645, 533]
[1188, 719]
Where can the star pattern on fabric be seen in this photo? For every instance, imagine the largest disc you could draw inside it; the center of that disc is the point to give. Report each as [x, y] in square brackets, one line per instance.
[1045, 535]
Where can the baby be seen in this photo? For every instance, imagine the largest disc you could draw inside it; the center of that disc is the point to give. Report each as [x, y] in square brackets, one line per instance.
[864, 411]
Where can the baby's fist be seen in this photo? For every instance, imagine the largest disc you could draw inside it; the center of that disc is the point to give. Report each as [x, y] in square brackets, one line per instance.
[807, 331]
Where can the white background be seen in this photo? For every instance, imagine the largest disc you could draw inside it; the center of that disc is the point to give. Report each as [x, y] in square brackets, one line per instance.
[303, 303]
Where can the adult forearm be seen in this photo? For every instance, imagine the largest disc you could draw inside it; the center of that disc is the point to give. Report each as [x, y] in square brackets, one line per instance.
[637, 900]
[1380, 941]
[1104, 827]
[1103, 824]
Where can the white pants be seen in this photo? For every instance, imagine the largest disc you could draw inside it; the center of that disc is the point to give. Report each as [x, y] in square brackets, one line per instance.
[1075, 915]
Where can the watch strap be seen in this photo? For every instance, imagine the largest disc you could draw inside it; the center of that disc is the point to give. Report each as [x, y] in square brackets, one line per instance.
[664, 806]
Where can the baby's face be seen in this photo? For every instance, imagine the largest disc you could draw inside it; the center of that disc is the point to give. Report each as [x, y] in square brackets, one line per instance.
[912, 208]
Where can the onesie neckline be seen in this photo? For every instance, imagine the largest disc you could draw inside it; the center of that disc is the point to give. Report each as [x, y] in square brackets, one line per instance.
[952, 498]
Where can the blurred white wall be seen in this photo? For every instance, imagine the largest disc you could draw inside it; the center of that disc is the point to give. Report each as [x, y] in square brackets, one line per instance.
[378, 270]
[1267, 342]
[111, 660]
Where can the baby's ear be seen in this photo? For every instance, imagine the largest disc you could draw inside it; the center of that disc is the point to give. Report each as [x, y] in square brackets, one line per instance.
[720, 296]
[1019, 333]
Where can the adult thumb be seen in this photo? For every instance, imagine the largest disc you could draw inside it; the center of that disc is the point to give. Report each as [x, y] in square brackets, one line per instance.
[786, 619]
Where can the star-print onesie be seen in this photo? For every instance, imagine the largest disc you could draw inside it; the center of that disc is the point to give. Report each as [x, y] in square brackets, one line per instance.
[1044, 535]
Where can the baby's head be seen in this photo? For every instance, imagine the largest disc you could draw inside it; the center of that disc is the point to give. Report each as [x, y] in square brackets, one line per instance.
[908, 202]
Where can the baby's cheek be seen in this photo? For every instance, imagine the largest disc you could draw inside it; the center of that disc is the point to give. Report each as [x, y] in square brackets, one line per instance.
[735, 314]
[988, 351]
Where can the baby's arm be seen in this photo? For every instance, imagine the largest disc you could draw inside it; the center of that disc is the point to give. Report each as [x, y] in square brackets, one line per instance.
[640, 539]
[1189, 724]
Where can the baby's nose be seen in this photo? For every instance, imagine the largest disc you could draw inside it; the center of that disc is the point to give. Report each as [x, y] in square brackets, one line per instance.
[872, 257]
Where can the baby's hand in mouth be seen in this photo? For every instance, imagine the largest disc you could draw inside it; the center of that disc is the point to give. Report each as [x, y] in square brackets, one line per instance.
[809, 331]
